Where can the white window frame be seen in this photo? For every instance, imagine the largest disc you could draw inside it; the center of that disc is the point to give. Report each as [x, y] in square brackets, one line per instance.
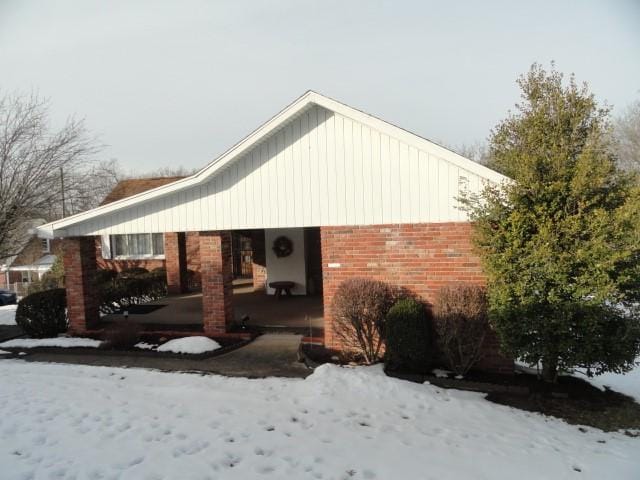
[116, 256]
[46, 245]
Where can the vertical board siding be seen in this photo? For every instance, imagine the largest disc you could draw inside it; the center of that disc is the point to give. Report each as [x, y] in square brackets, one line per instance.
[321, 168]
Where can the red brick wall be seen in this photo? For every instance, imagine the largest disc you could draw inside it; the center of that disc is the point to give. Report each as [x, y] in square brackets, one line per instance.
[175, 261]
[419, 257]
[193, 260]
[79, 256]
[217, 278]
[258, 259]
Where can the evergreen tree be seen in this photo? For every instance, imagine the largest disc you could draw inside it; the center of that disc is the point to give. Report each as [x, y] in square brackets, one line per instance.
[561, 242]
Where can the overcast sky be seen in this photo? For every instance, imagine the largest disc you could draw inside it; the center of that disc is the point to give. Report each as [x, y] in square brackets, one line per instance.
[176, 83]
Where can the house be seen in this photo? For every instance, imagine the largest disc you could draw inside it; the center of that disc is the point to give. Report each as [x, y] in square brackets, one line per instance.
[35, 256]
[324, 191]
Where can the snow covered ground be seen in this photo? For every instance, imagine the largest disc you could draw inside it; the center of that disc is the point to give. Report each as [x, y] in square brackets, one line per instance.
[629, 383]
[8, 314]
[192, 345]
[60, 342]
[63, 421]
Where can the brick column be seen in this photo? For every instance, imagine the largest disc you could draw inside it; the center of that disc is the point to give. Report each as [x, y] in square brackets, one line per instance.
[175, 254]
[259, 264]
[217, 277]
[79, 257]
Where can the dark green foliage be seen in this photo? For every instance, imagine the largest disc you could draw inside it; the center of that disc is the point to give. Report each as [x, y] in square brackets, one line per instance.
[561, 244]
[132, 272]
[43, 314]
[408, 338]
[104, 275]
[134, 286]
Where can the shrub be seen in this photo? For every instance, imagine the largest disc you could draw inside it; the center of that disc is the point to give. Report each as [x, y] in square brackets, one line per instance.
[359, 309]
[461, 325]
[104, 275]
[408, 336]
[43, 314]
[122, 334]
[130, 289]
[132, 272]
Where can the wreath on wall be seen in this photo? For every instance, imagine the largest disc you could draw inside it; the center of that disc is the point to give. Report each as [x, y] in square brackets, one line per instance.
[282, 247]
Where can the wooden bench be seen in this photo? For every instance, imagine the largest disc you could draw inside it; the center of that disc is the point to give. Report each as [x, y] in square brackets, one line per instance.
[282, 286]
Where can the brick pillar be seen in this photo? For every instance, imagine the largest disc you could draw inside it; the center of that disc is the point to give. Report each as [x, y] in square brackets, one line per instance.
[259, 264]
[79, 257]
[175, 254]
[193, 261]
[217, 276]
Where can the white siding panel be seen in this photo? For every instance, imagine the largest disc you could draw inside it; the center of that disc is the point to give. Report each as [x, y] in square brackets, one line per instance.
[322, 168]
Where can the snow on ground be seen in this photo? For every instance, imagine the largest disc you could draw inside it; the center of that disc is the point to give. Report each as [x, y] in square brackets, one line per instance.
[627, 383]
[62, 342]
[189, 345]
[8, 314]
[69, 421]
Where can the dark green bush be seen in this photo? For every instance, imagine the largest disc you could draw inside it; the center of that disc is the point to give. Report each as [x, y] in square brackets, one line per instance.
[43, 314]
[408, 337]
[104, 275]
[130, 289]
[133, 272]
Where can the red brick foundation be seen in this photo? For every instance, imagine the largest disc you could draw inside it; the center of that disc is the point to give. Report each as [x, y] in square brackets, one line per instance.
[175, 254]
[217, 276]
[79, 257]
[419, 257]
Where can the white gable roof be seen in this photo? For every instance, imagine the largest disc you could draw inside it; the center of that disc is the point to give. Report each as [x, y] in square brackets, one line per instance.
[322, 140]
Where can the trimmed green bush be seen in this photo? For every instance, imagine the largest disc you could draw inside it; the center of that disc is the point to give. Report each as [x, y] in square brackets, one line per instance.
[408, 337]
[43, 314]
[130, 289]
[104, 275]
[132, 272]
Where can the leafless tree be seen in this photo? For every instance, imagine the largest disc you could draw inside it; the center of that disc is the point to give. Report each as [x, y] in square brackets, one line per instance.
[32, 157]
[627, 133]
[477, 151]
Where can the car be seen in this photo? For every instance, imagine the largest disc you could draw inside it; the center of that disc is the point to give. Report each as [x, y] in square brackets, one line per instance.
[7, 297]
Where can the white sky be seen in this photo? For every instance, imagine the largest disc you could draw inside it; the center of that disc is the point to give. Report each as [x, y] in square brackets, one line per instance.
[177, 83]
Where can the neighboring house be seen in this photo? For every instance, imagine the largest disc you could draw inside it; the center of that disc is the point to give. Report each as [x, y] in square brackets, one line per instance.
[33, 259]
[353, 195]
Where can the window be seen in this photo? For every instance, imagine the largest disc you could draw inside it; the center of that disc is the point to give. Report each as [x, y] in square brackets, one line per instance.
[46, 246]
[142, 245]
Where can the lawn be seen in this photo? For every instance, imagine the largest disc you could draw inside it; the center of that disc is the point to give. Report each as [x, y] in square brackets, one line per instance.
[62, 421]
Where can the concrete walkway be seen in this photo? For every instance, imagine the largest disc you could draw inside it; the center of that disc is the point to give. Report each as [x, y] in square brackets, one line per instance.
[270, 355]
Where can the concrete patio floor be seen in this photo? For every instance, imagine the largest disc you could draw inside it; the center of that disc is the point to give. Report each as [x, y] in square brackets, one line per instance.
[297, 312]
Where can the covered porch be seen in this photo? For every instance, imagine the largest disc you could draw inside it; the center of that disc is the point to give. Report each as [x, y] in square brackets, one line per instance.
[218, 283]
[252, 309]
